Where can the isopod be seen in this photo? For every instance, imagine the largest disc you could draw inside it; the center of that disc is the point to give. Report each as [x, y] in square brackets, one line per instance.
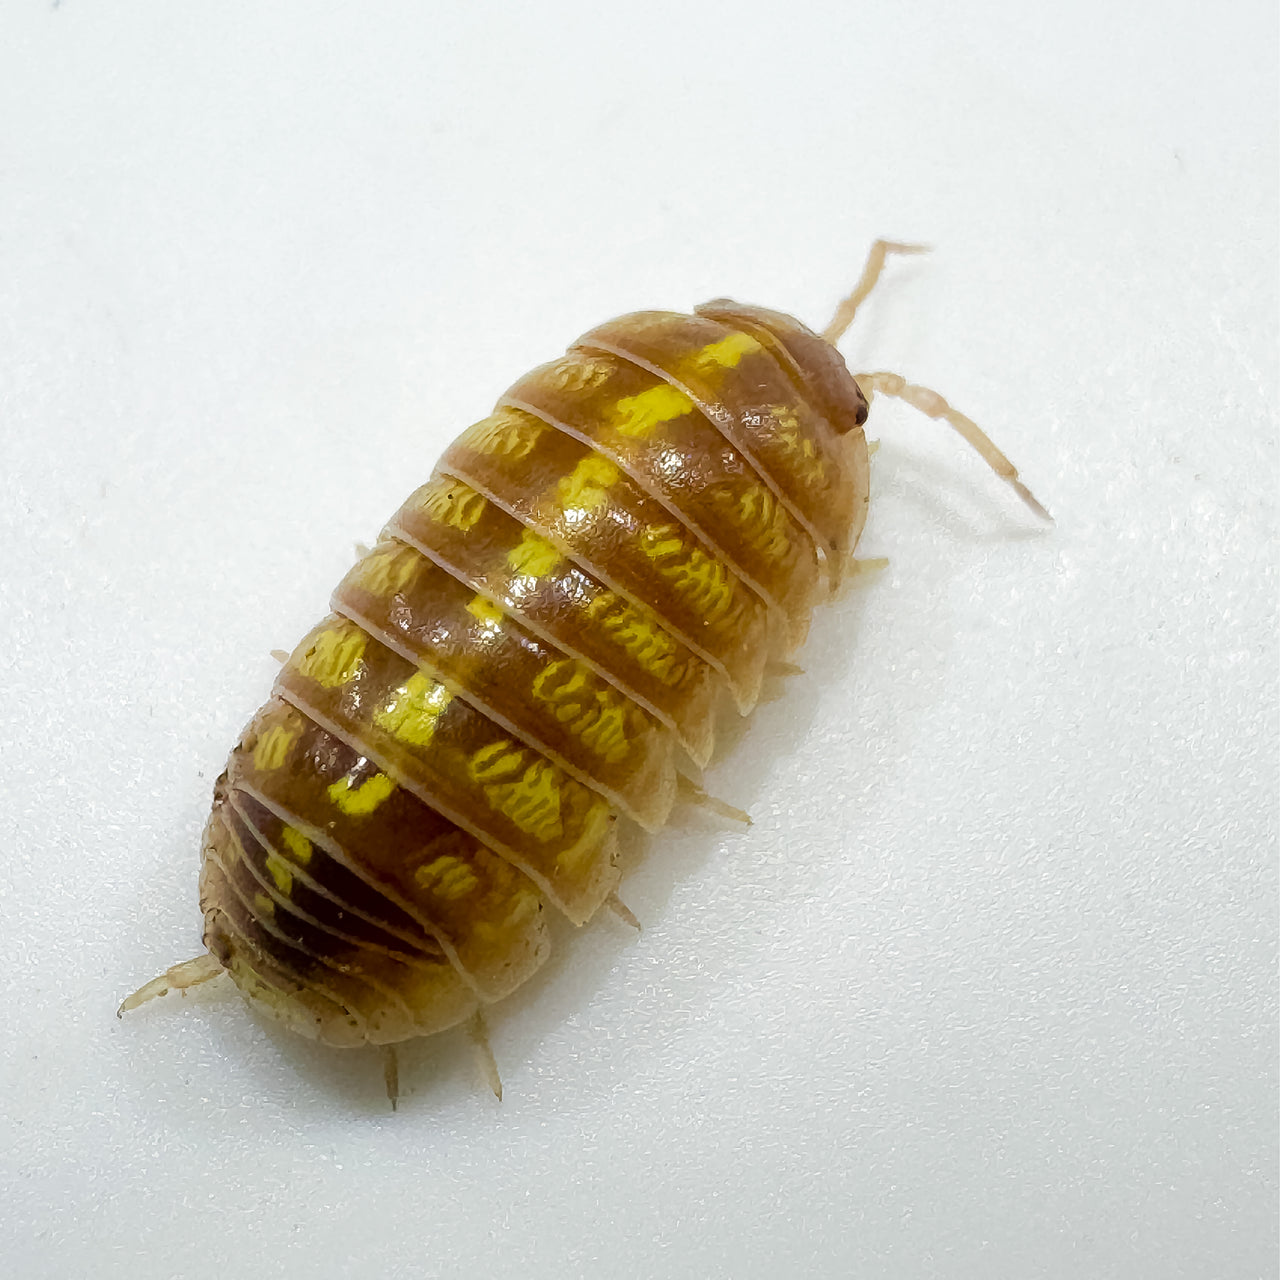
[538, 644]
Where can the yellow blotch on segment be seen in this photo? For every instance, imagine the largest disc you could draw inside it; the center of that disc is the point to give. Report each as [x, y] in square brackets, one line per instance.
[272, 748]
[760, 517]
[385, 571]
[527, 791]
[638, 415]
[296, 844]
[803, 453]
[412, 709]
[447, 877]
[598, 716]
[561, 679]
[606, 735]
[586, 487]
[576, 859]
[578, 372]
[640, 636]
[703, 582]
[661, 541]
[725, 354]
[453, 503]
[484, 610]
[334, 657]
[508, 433]
[263, 905]
[532, 556]
[360, 801]
[280, 872]
[524, 905]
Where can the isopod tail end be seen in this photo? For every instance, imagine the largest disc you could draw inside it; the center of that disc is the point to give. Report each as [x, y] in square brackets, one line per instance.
[190, 973]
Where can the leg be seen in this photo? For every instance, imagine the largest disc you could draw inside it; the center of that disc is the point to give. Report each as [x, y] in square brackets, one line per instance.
[391, 1073]
[690, 791]
[190, 973]
[845, 312]
[478, 1031]
[618, 908]
[864, 568]
[932, 405]
[783, 669]
[859, 570]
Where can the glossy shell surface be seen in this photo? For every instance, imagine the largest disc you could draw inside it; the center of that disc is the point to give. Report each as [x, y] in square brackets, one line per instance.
[538, 645]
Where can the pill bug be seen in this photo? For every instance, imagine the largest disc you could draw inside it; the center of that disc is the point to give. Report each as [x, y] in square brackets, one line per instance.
[538, 644]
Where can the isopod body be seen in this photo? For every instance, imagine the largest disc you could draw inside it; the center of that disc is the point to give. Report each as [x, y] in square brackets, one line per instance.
[538, 644]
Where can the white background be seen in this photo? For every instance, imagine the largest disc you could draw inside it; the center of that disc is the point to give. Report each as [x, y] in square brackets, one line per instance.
[988, 989]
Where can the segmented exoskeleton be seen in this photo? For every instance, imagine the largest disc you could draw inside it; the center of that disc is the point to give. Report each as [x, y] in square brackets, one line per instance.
[538, 644]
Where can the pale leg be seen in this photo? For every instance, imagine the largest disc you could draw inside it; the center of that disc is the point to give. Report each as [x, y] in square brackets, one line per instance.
[190, 973]
[845, 312]
[693, 793]
[391, 1073]
[932, 405]
[621, 911]
[478, 1032]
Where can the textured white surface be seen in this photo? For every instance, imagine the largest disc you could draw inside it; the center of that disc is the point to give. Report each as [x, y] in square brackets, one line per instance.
[988, 990]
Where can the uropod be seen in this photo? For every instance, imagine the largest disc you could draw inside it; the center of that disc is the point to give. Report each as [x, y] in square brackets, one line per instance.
[539, 644]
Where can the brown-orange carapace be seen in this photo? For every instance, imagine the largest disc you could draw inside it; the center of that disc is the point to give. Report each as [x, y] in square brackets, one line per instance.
[538, 645]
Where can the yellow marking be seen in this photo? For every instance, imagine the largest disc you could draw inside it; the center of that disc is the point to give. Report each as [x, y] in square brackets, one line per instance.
[805, 459]
[661, 541]
[279, 871]
[524, 905]
[484, 610]
[495, 760]
[526, 791]
[640, 636]
[272, 748]
[704, 583]
[559, 680]
[760, 517]
[597, 715]
[263, 905]
[386, 570]
[361, 801]
[725, 354]
[578, 373]
[533, 557]
[607, 736]
[448, 878]
[411, 710]
[586, 487]
[453, 503]
[508, 432]
[638, 415]
[334, 657]
[296, 844]
[577, 858]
